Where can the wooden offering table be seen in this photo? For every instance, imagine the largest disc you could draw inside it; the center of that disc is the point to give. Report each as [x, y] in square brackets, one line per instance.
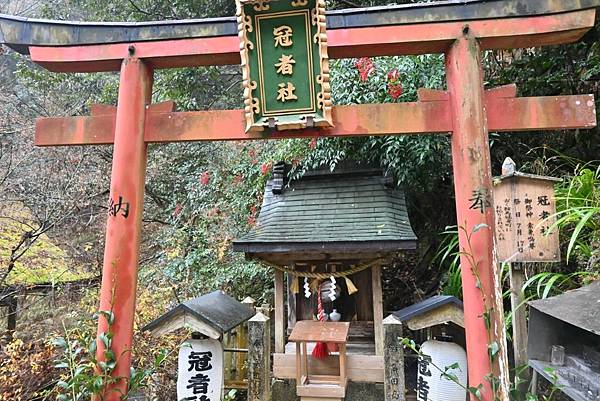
[313, 387]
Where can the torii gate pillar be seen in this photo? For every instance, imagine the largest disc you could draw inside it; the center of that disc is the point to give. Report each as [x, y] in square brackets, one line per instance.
[465, 111]
[123, 227]
[482, 293]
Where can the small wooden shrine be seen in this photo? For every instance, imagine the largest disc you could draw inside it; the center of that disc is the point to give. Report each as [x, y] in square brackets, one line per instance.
[564, 342]
[211, 318]
[310, 385]
[330, 233]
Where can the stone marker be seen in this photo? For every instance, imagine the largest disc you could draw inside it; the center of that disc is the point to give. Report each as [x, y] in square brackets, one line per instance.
[259, 358]
[393, 357]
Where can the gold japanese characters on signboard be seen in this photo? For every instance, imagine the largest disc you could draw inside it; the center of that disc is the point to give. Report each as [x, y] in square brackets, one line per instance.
[524, 212]
[285, 68]
[283, 36]
[286, 64]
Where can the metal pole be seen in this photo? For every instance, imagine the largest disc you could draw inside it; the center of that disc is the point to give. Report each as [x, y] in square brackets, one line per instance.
[484, 324]
[123, 227]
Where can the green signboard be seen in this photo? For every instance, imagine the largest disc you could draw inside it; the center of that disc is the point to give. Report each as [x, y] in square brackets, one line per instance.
[284, 64]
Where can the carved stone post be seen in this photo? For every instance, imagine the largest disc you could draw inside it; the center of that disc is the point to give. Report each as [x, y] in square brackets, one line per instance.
[393, 359]
[259, 358]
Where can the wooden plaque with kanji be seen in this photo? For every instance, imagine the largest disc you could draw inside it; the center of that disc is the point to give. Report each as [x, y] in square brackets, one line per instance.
[524, 211]
[285, 68]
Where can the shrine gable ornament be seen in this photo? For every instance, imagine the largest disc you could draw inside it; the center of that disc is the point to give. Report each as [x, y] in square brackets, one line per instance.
[285, 68]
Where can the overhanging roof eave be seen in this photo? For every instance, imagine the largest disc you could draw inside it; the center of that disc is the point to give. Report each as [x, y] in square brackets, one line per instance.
[20, 33]
[182, 309]
[325, 247]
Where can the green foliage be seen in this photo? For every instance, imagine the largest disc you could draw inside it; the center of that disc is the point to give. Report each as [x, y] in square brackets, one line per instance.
[591, 66]
[545, 284]
[415, 72]
[200, 88]
[448, 260]
[79, 381]
[42, 261]
[417, 161]
[83, 375]
[578, 213]
[77, 91]
[208, 195]
[138, 10]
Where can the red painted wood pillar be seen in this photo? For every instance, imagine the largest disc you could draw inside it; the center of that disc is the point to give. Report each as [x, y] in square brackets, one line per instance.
[473, 189]
[123, 227]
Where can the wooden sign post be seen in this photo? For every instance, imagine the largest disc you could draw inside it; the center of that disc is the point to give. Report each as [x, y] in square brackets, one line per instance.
[525, 209]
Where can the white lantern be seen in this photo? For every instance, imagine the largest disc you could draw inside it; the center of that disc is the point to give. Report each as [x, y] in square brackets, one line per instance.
[200, 371]
[432, 384]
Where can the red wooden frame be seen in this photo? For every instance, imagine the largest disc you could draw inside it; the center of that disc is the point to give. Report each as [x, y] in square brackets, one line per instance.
[465, 111]
[342, 43]
[503, 114]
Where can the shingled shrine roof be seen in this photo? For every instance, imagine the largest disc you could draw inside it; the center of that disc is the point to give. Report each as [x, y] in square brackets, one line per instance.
[341, 211]
[584, 300]
[437, 310]
[426, 306]
[211, 314]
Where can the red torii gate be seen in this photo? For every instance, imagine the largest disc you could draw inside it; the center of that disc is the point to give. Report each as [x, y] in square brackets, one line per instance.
[465, 111]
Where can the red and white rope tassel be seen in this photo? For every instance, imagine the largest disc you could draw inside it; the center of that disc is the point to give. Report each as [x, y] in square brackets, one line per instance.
[320, 351]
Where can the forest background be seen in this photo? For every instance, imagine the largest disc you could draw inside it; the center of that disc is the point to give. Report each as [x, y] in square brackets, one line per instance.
[200, 196]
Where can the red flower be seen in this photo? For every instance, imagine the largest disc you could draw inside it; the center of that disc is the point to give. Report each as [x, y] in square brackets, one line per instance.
[395, 90]
[365, 67]
[251, 220]
[394, 86]
[393, 75]
[252, 153]
[265, 168]
[253, 210]
[177, 210]
[205, 178]
[313, 143]
[238, 179]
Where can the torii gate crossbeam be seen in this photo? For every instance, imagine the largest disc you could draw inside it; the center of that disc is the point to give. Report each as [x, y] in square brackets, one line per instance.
[466, 111]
